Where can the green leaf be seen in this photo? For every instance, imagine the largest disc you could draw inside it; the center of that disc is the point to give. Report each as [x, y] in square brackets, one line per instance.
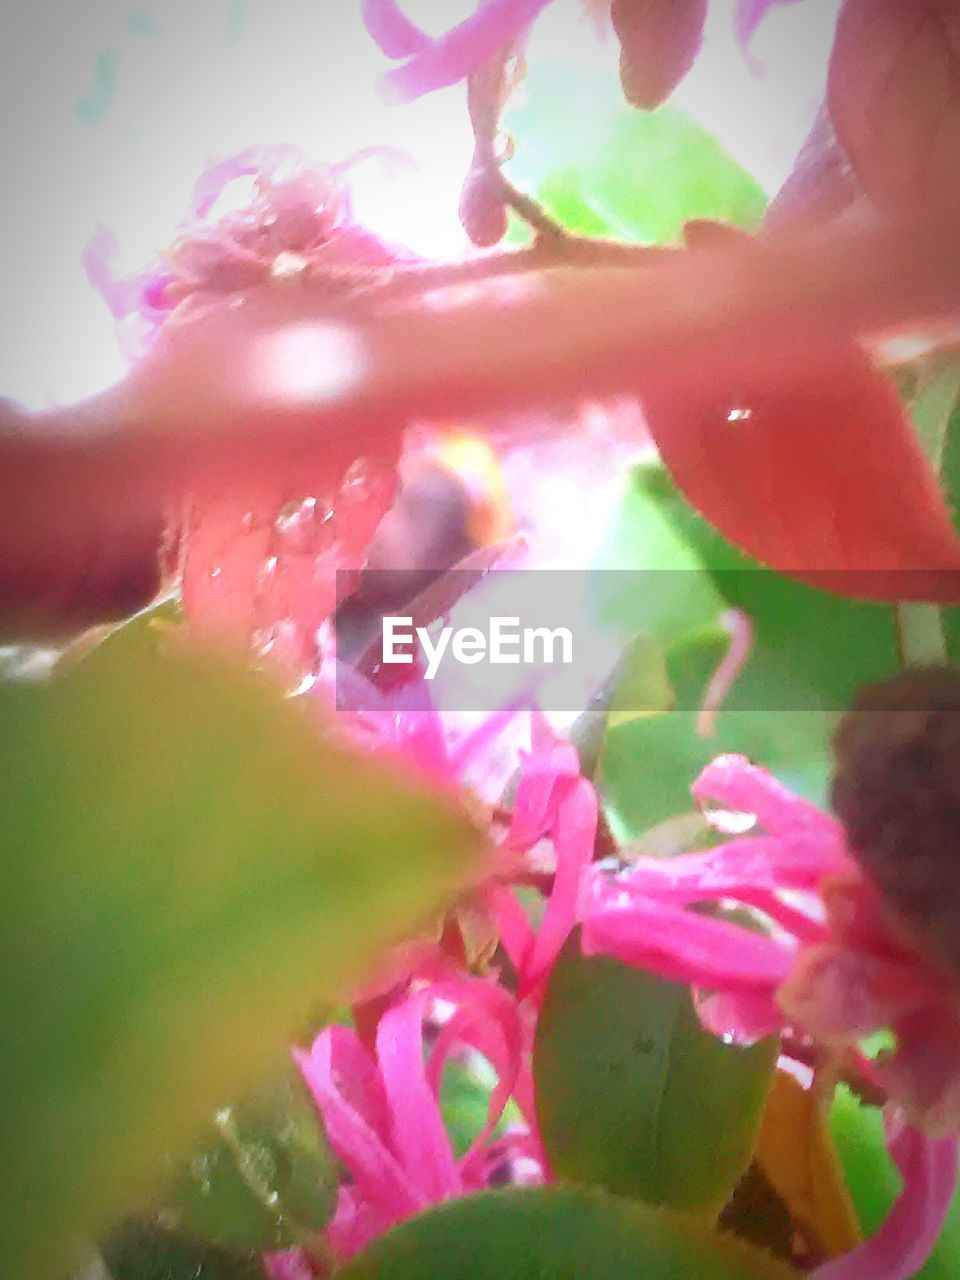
[265, 1179]
[602, 168]
[812, 651]
[189, 870]
[633, 1095]
[637, 685]
[874, 1182]
[558, 1233]
[143, 1250]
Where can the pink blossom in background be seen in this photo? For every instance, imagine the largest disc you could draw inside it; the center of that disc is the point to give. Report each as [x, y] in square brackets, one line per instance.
[382, 1113]
[297, 218]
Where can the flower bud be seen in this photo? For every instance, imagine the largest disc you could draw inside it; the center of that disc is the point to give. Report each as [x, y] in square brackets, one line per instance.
[659, 40]
[482, 211]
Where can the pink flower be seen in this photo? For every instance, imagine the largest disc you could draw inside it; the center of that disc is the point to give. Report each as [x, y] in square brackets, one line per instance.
[830, 967]
[382, 1113]
[298, 219]
[552, 802]
[432, 64]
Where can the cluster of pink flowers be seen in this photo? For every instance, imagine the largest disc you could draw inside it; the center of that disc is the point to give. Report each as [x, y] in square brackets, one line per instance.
[825, 971]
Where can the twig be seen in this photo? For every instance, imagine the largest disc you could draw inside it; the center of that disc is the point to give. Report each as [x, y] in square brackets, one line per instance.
[410, 280]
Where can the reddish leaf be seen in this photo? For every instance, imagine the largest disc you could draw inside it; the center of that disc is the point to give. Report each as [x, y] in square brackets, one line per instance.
[894, 94]
[260, 563]
[659, 40]
[815, 471]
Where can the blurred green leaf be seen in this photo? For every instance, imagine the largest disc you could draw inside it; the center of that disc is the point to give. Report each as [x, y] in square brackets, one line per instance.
[190, 869]
[812, 651]
[874, 1182]
[638, 684]
[558, 1233]
[603, 168]
[144, 1250]
[633, 1095]
[265, 1179]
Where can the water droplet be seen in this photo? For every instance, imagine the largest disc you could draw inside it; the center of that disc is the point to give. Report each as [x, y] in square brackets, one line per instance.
[216, 571]
[287, 266]
[263, 641]
[731, 822]
[305, 525]
[247, 521]
[739, 414]
[270, 566]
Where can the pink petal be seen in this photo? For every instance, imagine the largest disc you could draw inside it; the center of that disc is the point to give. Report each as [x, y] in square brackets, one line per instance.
[746, 1016]
[840, 995]
[686, 947]
[513, 926]
[740, 630]
[473, 745]
[770, 862]
[906, 1239]
[574, 838]
[393, 31]
[734, 782]
[420, 1138]
[376, 1171]
[220, 173]
[289, 1265]
[494, 25]
[356, 1223]
[487, 1019]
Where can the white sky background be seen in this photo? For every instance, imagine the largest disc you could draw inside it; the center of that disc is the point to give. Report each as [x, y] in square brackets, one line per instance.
[300, 71]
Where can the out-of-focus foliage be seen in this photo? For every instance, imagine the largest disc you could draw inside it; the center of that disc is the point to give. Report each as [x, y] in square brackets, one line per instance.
[603, 168]
[189, 869]
[629, 1084]
[558, 1232]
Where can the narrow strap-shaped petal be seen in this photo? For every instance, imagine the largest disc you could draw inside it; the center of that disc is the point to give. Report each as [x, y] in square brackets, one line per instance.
[906, 1239]
[575, 834]
[513, 926]
[487, 1019]
[494, 25]
[686, 947]
[731, 780]
[420, 1138]
[795, 861]
[375, 1169]
[251, 160]
[393, 31]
